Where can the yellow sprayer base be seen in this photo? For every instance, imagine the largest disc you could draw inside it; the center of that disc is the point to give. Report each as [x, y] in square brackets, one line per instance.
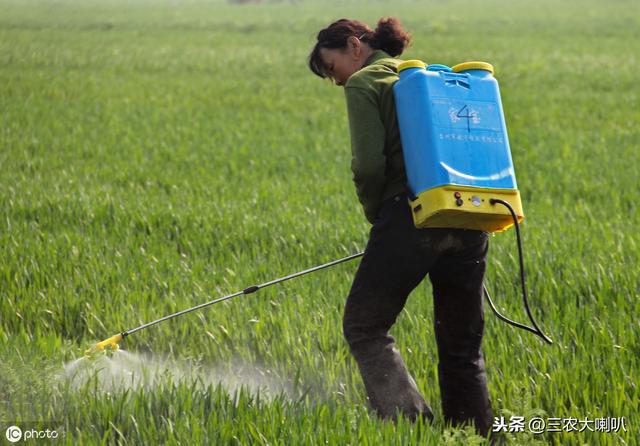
[441, 208]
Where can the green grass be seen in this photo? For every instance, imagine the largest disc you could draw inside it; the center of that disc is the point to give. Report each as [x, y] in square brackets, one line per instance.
[155, 155]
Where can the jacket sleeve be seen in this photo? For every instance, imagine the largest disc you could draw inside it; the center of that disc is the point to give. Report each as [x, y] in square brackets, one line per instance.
[368, 161]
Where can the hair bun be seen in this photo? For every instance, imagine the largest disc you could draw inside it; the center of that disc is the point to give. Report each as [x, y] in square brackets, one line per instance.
[390, 37]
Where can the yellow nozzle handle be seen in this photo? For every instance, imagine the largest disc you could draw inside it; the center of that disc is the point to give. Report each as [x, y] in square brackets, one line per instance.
[111, 343]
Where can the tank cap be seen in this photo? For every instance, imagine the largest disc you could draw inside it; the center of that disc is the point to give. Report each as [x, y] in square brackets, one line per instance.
[438, 67]
[411, 64]
[475, 65]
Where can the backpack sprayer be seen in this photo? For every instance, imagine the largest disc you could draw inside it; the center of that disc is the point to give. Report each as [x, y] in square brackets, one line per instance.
[457, 156]
[458, 164]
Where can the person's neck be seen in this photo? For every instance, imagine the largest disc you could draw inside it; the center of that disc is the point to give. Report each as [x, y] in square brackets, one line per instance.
[367, 51]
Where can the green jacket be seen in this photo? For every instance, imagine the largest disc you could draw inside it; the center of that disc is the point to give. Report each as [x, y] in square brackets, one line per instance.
[377, 163]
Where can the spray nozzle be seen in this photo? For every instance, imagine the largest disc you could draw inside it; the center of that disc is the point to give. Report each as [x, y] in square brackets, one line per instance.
[109, 344]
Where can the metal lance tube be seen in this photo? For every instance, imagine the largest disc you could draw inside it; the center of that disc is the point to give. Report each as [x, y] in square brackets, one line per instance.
[112, 342]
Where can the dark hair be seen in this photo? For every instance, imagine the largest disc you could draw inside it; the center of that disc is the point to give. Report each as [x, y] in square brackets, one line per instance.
[388, 36]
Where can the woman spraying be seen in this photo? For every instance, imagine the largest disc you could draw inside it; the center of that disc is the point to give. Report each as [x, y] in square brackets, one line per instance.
[398, 256]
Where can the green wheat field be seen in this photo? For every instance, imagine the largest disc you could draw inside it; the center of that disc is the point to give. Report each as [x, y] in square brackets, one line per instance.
[155, 155]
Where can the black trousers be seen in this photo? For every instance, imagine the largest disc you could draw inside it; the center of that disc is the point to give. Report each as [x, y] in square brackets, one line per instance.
[397, 257]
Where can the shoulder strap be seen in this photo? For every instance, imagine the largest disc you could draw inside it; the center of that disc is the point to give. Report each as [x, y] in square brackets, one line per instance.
[390, 63]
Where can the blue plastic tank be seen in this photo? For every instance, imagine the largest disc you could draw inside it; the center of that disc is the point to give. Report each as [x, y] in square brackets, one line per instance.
[455, 145]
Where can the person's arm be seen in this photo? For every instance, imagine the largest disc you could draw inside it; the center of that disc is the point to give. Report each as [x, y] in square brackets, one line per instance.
[368, 162]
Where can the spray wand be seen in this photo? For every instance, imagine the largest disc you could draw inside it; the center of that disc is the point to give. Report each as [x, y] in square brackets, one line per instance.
[112, 342]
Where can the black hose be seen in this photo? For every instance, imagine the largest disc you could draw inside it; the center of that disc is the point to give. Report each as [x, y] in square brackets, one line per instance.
[254, 288]
[536, 330]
